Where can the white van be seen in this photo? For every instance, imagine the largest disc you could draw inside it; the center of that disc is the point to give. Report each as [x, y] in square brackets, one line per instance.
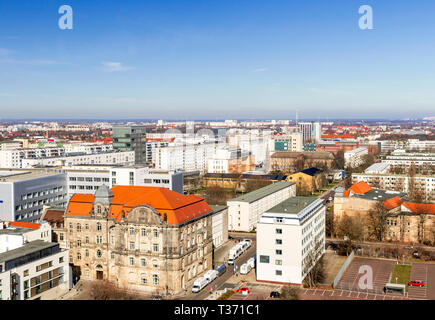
[248, 242]
[251, 262]
[210, 275]
[245, 268]
[199, 284]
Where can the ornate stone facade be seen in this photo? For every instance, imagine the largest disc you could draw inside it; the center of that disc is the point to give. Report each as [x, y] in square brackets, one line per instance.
[139, 250]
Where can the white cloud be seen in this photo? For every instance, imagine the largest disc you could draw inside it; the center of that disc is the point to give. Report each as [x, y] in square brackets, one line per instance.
[114, 67]
[260, 70]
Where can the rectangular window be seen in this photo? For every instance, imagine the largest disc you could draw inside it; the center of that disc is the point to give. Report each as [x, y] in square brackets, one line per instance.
[278, 241]
[264, 259]
[131, 245]
[278, 272]
[278, 251]
[155, 247]
[278, 262]
[278, 231]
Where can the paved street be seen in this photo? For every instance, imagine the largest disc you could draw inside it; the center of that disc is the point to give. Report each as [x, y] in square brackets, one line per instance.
[227, 279]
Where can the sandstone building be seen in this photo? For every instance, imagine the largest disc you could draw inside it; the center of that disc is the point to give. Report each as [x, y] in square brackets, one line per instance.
[142, 238]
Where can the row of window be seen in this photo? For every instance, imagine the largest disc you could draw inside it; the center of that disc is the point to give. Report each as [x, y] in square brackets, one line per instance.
[41, 193]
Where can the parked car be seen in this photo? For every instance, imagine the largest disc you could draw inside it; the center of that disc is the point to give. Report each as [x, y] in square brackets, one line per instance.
[274, 294]
[416, 283]
[243, 290]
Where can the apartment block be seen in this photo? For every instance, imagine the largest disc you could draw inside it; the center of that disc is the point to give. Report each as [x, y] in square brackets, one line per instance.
[290, 240]
[31, 267]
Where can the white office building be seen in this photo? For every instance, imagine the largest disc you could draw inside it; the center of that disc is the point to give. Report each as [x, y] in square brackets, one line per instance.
[245, 211]
[86, 179]
[290, 240]
[106, 158]
[23, 193]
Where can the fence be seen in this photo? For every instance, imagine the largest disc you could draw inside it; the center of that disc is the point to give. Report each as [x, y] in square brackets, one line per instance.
[343, 268]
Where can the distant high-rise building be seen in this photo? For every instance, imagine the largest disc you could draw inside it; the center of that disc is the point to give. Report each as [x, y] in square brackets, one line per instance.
[311, 131]
[131, 138]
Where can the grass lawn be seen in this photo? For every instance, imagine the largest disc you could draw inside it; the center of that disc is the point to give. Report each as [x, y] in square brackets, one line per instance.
[403, 274]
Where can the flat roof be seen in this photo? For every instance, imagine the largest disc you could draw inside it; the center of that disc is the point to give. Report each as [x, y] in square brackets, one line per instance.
[16, 175]
[217, 208]
[380, 166]
[292, 205]
[26, 249]
[263, 192]
[15, 230]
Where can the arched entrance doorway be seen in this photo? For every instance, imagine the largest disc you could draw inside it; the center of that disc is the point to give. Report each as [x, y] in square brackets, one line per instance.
[100, 274]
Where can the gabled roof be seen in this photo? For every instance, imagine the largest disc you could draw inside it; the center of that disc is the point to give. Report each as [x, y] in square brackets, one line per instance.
[392, 203]
[424, 208]
[177, 207]
[361, 187]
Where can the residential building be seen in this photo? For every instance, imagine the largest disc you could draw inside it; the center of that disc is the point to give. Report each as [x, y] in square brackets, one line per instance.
[308, 180]
[33, 268]
[403, 160]
[290, 240]
[230, 160]
[245, 211]
[191, 157]
[355, 157]
[422, 184]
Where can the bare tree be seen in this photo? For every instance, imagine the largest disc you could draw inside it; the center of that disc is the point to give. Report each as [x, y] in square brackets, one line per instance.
[377, 221]
[289, 292]
[107, 290]
[314, 261]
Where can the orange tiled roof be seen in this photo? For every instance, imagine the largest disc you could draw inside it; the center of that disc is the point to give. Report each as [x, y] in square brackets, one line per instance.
[392, 203]
[428, 208]
[361, 187]
[28, 225]
[178, 208]
[346, 193]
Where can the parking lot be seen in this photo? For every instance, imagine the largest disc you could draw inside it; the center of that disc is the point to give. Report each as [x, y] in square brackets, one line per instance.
[424, 272]
[381, 271]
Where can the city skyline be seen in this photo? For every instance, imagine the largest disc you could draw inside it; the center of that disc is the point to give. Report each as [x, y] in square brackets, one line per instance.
[216, 60]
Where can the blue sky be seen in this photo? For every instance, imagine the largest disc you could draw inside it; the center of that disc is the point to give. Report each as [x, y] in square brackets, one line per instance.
[219, 59]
